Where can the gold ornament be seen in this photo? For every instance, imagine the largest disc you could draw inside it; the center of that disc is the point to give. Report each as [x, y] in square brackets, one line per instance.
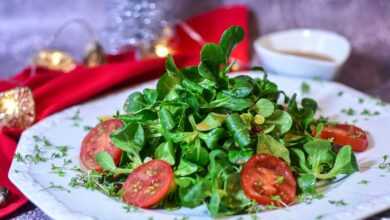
[95, 55]
[55, 60]
[159, 47]
[17, 108]
[161, 50]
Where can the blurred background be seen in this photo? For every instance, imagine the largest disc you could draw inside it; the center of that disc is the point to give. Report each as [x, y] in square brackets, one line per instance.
[27, 26]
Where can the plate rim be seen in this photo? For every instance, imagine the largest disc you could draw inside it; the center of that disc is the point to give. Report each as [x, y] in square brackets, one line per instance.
[46, 201]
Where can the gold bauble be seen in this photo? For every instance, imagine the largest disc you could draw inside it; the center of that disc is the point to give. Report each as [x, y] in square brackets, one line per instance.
[17, 108]
[55, 60]
[95, 55]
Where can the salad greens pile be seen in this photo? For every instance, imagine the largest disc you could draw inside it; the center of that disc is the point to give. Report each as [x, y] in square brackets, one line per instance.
[207, 125]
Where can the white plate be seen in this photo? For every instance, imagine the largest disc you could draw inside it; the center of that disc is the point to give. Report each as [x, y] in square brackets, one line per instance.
[360, 200]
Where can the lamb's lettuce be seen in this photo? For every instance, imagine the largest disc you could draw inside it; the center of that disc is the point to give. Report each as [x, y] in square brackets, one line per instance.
[207, 126]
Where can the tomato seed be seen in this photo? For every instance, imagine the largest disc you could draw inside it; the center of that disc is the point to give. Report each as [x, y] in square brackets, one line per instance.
[151, 172]
[136, 186]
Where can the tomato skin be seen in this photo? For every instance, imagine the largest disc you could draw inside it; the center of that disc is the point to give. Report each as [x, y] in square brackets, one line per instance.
[259, 180]
[97, 140]
[344, 134]
[148, 184]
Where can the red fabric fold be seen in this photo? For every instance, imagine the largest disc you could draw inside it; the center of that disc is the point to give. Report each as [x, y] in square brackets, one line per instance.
[89, 83]
[54, 91]
[210, 30]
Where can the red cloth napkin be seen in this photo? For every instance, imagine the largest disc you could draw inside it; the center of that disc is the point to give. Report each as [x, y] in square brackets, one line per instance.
[54, 91]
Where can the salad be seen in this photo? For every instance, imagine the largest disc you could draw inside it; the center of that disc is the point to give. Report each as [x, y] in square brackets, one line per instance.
[236, 144]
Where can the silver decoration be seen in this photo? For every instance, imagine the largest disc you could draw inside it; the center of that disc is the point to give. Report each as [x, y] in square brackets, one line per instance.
[135, 22]
[4, 194]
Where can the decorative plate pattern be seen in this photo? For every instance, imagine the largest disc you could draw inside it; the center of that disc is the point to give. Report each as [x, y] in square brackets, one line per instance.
[47, 156]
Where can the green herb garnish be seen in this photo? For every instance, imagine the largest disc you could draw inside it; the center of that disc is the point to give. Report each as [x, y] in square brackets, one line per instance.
[367, 112]
[60, 170]
[129, 208]
[305, 88]
[385, 164]
[363, 182]
[76, 119]
[87, 127]
[348, 111]
[338, 202]
[56, 187]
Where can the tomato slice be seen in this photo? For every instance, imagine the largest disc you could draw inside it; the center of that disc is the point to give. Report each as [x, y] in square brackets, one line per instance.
[148, 184]
[344, 134]
[268, 180]
[97, 140]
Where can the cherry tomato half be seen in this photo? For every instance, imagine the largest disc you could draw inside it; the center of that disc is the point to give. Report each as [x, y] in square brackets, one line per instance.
[97, 140]
[344, 134]
[148, 184]
[268, 180]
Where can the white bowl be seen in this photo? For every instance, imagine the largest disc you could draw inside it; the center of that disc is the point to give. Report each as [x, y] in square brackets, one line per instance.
[326, 43]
